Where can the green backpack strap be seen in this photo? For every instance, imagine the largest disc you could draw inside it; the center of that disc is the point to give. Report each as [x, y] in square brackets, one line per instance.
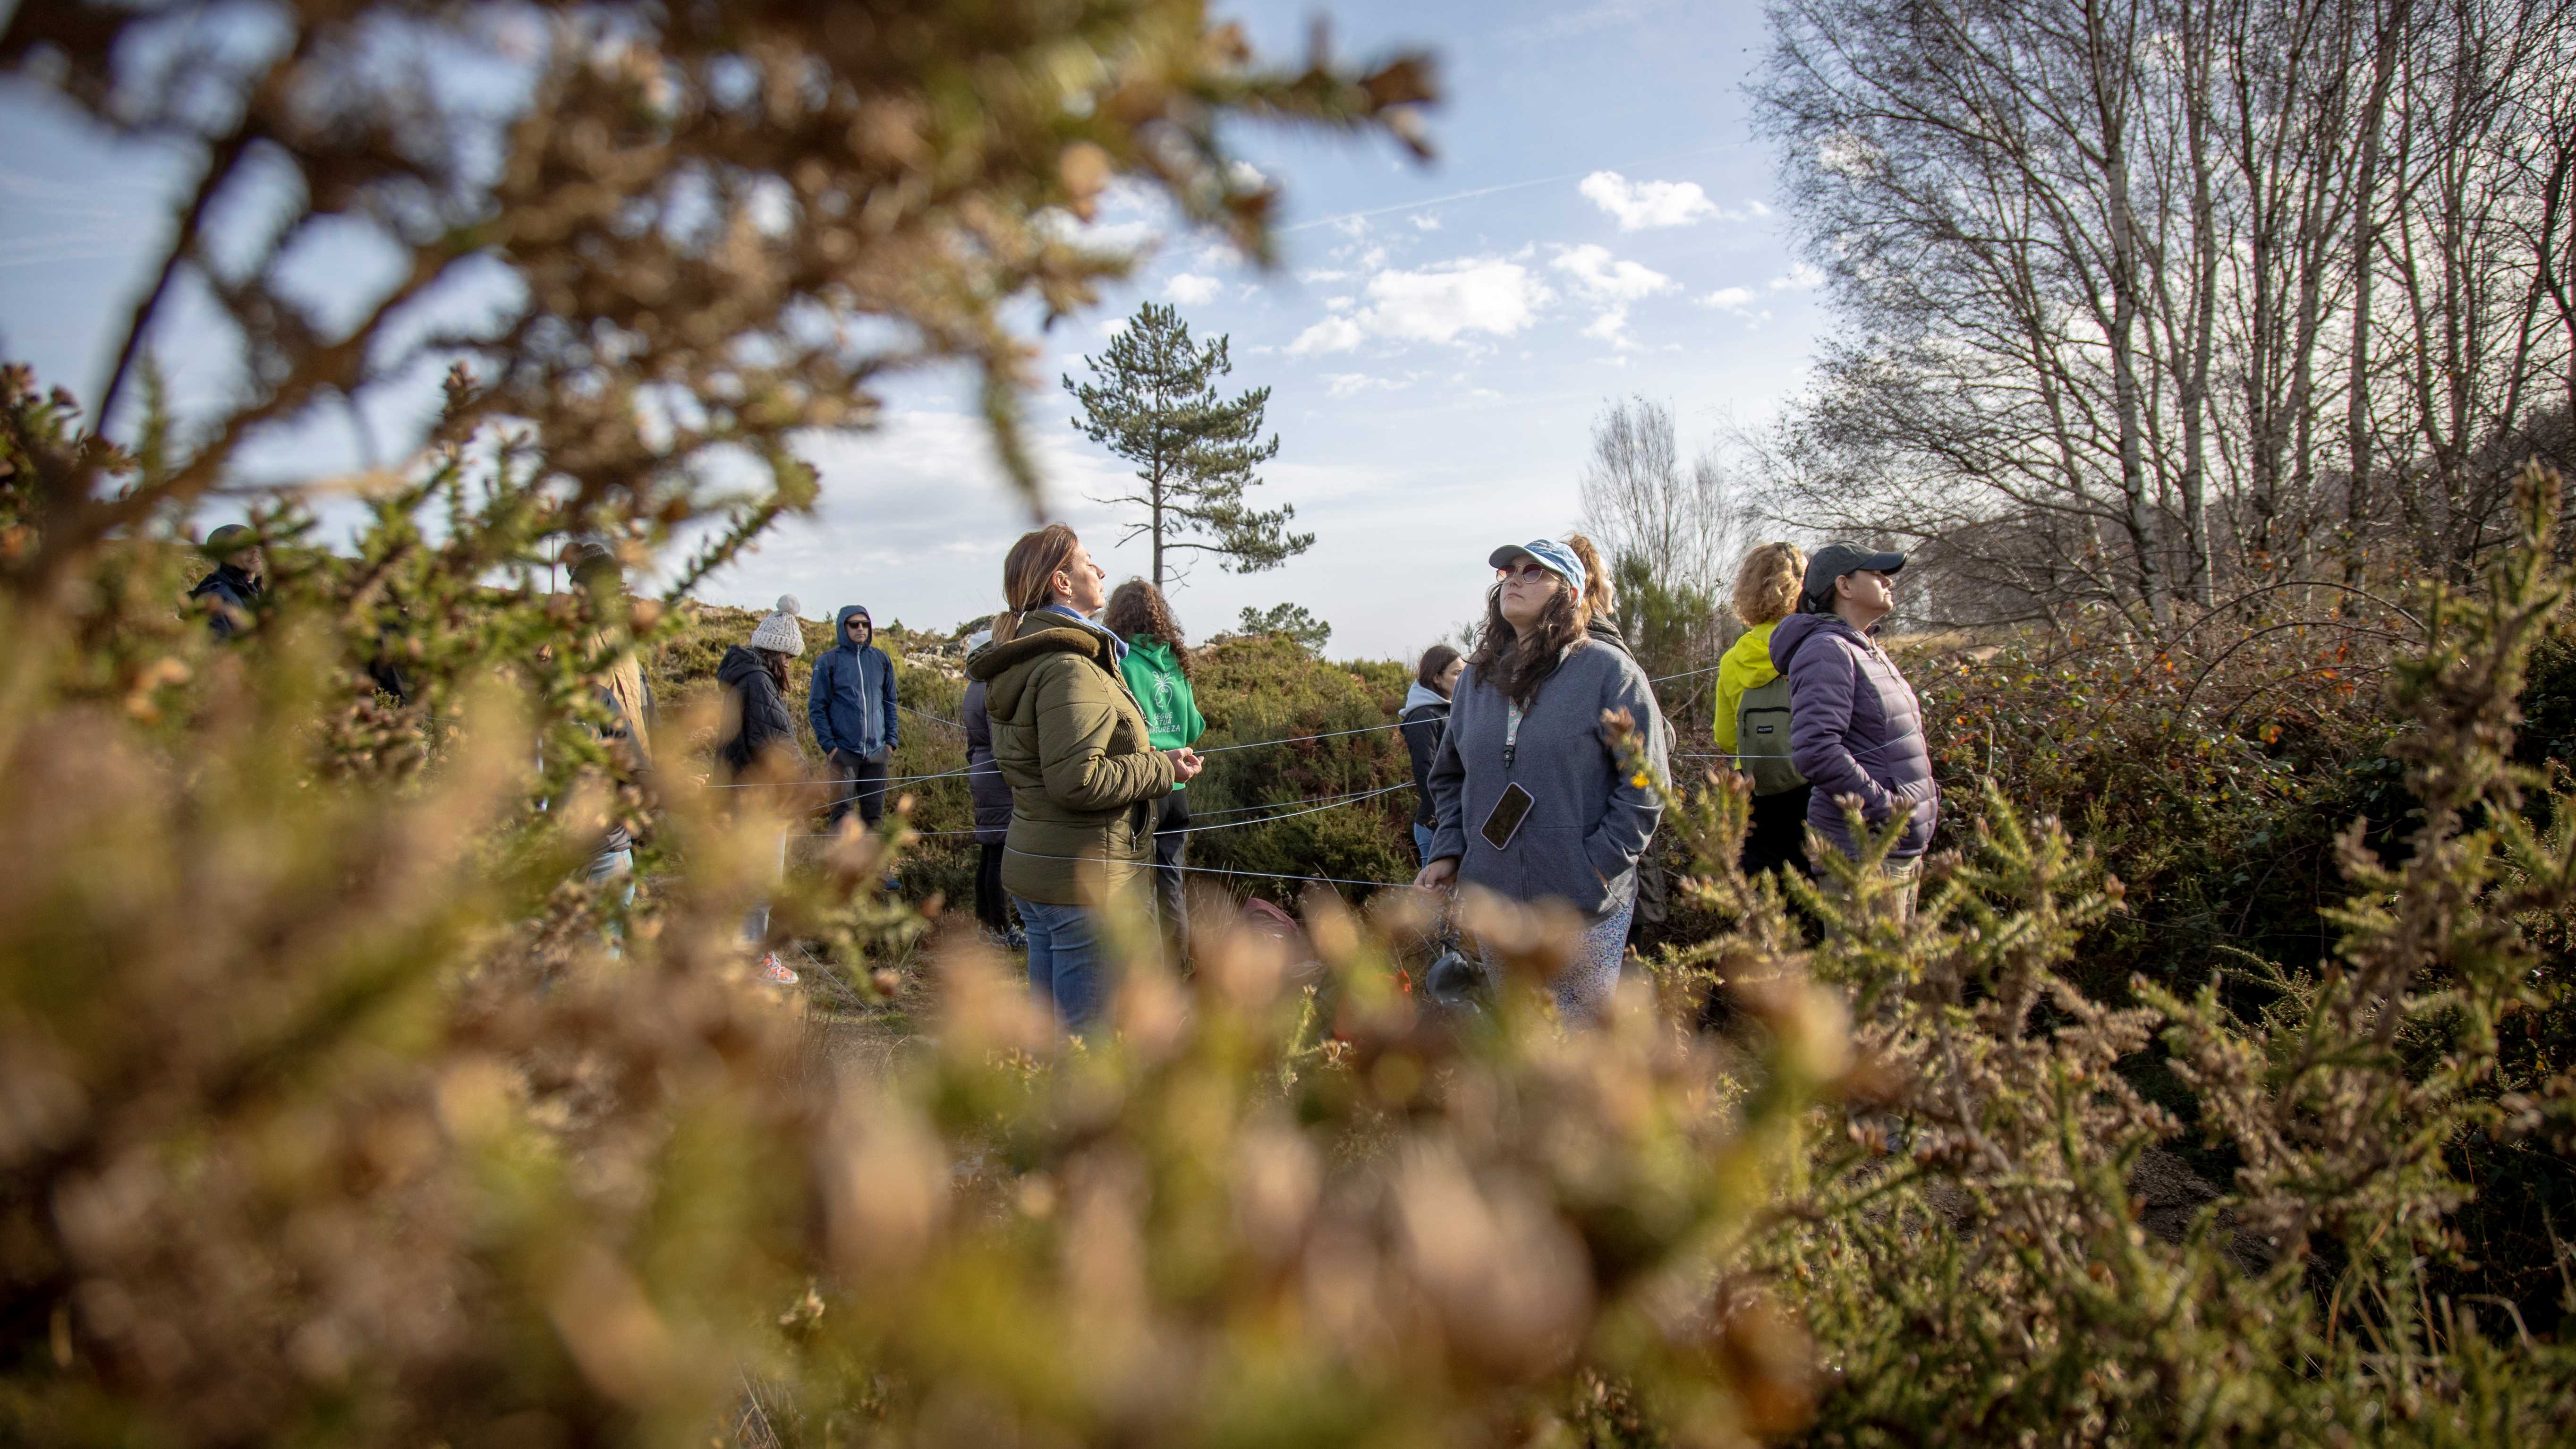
[1762, 738]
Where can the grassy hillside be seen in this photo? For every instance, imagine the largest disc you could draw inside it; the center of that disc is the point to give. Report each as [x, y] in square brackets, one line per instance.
[1250, 689]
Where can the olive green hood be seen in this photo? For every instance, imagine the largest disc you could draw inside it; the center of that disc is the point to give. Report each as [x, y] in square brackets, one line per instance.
[1084, 775]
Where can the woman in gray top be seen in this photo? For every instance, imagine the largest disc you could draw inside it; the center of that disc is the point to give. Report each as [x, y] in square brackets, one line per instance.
[1531, 803]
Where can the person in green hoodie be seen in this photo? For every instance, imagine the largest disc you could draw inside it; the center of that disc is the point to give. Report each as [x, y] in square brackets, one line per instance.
[1753, 709]
[1157, 669]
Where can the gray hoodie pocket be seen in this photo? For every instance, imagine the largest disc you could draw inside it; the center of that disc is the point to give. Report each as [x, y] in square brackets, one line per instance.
[1553, 863]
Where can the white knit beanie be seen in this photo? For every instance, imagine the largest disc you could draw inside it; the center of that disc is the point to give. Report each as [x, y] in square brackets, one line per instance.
[779, 631]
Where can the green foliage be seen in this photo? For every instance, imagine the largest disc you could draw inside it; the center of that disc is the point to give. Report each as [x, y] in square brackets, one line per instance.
[1287, 621]
[1156, 405]
[1670, 626]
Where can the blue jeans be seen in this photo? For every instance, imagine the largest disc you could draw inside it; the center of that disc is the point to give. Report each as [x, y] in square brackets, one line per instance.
[616, 865]
[755, 922]
[610, 864]
[1064, 959]
[1421, 845]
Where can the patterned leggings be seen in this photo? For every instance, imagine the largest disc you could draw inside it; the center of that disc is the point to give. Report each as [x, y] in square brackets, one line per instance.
[1584, 989]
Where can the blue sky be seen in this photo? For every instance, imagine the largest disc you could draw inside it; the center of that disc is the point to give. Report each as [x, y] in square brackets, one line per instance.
[1437, 338]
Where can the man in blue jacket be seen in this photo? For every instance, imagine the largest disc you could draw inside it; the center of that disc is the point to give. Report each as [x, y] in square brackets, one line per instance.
[852, 707]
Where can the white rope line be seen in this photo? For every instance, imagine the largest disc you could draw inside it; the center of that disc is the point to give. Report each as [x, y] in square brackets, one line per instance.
[1290, 815]
[1395, 724]
[1331, 802]
[839, 780]
[952, 774]
[1212, 870]
[1724, 755]
[1296, 739]
[1311, 799]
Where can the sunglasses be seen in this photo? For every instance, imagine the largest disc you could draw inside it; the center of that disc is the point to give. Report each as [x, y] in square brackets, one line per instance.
[1525, 569]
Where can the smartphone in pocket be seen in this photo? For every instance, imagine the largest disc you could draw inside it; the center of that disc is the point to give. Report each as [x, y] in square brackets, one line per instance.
[1504, 821]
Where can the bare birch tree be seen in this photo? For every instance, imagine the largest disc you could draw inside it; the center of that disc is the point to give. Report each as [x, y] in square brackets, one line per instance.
[2145, 300]
[1640, 500]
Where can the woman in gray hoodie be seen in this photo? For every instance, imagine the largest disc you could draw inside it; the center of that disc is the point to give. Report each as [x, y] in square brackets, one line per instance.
[1425, 716]
[1855, 727]
[1529, 799]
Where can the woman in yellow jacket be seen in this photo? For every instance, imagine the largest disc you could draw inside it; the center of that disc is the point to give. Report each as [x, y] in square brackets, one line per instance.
[1756, 729]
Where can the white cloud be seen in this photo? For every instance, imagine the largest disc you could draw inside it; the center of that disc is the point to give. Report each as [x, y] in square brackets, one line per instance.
[1727, 299]
[1799, 278]
[1333, 334]
[1191, 290]
[1438, 302]
[1442, 302]
[1244, 176]
[1340, 304]
[1322, 275]
[1352, 384]
[1639, 205]
[1424, 223]
[1610, 280]
[1605, 278]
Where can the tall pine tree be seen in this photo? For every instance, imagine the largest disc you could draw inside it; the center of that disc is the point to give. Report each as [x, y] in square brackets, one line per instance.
[1155, 404]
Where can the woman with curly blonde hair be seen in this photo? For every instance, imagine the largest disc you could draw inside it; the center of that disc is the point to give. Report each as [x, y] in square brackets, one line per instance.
[1751, 724]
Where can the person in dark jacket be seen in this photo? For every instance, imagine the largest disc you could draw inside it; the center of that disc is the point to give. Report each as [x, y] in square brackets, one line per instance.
[1855, 727]
[851, 704]
[1424, 719]
[992, 796]
[231, 593]
[757, 728]
[1525, 726]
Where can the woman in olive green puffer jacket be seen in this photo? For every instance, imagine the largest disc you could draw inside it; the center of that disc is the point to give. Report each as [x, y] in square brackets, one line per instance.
[1085, 777]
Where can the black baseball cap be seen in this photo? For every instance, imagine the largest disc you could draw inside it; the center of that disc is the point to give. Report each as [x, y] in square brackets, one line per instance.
[1835, 560]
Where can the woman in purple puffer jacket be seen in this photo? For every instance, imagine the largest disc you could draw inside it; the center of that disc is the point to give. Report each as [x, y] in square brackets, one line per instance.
[1855, 727]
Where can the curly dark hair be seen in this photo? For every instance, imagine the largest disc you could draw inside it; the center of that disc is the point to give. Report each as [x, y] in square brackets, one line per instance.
[1138, 608]
[1518, 666]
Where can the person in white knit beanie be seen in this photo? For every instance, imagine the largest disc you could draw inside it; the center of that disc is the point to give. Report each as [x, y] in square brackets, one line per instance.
[756, 724]
[779, 631]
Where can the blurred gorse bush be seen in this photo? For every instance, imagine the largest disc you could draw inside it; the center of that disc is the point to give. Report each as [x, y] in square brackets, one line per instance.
[336, 1106]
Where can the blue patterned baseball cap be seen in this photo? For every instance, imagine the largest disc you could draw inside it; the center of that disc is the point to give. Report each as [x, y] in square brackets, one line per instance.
[1555, 557]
